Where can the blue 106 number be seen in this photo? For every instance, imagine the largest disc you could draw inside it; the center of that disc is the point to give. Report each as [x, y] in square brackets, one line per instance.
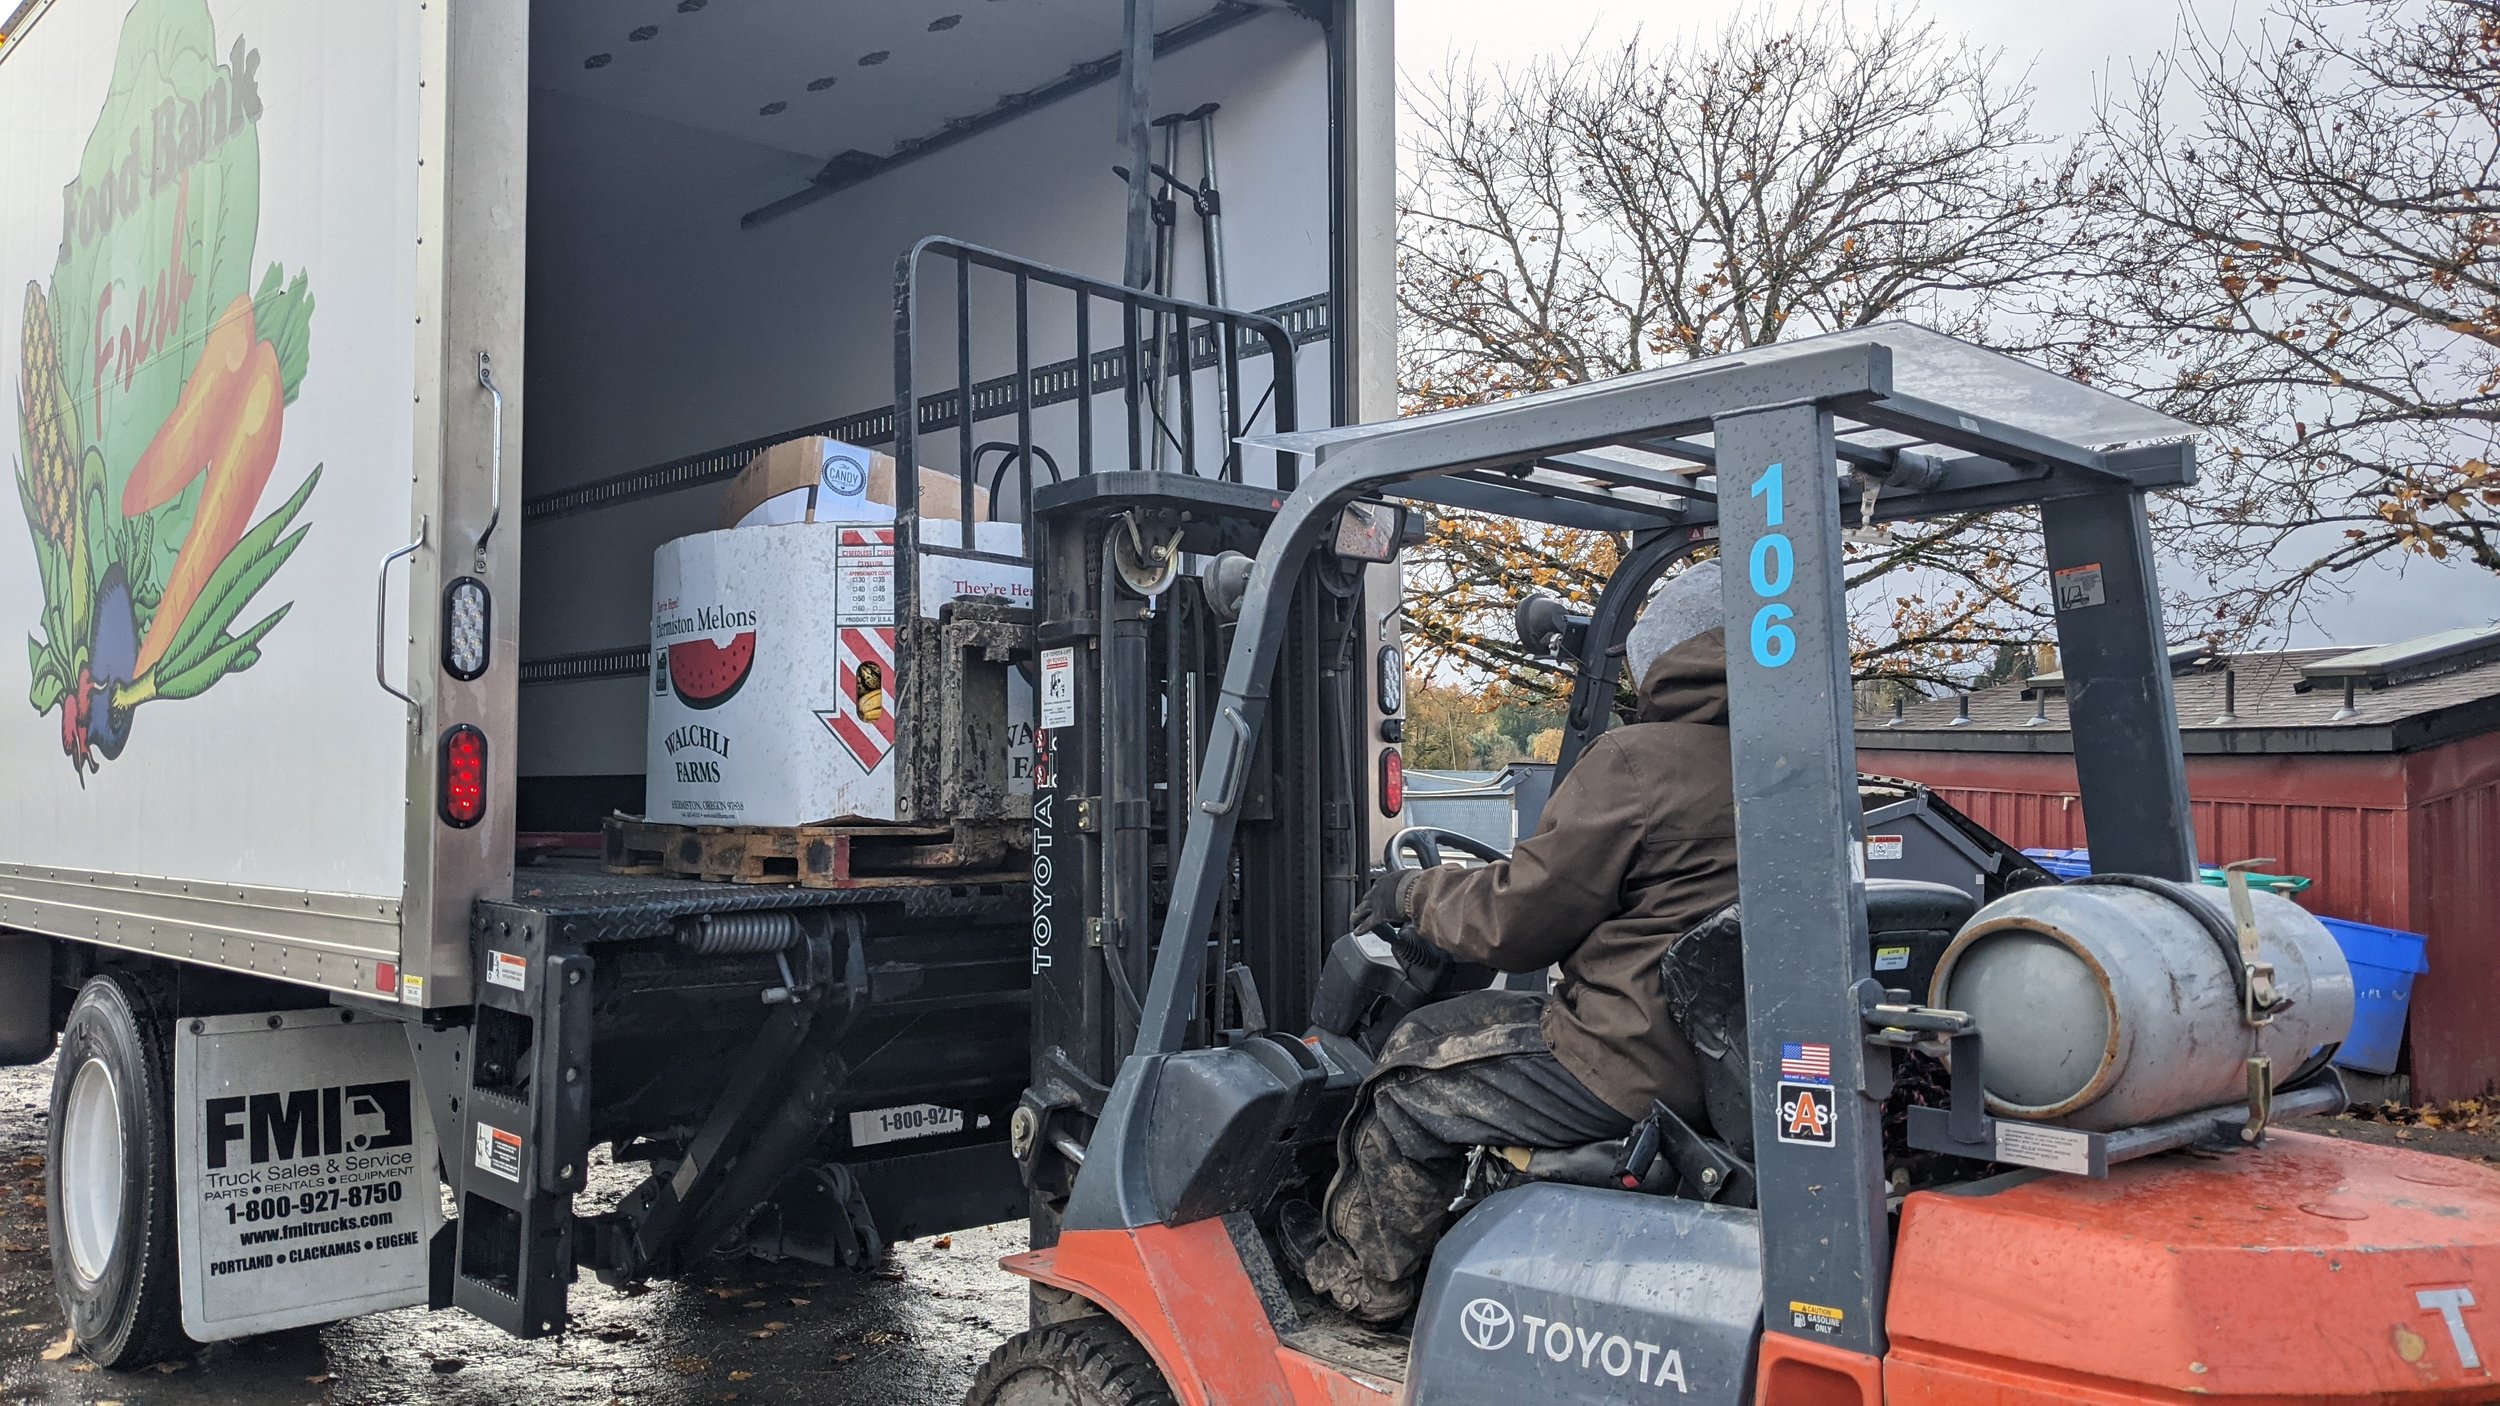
[1773, 566]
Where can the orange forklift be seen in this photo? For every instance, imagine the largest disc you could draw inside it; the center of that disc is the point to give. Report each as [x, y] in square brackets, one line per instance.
[2002, 1142]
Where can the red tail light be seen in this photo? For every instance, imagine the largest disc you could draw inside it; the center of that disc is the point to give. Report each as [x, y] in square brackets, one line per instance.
[464, 777]
[1392, 782]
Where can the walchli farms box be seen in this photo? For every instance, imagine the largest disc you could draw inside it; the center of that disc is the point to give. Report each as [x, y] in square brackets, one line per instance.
[772, 668]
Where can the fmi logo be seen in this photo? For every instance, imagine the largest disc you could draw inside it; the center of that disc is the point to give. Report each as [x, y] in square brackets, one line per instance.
[280, 1127]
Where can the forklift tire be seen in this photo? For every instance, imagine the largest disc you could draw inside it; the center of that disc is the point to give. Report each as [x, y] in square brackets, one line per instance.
[110, 1176]
[1089, 1362]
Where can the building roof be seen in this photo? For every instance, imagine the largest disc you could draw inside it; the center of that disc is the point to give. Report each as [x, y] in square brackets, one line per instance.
[2286, 701]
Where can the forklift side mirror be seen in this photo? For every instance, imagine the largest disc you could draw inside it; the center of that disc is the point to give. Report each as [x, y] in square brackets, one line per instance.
[1371, 532]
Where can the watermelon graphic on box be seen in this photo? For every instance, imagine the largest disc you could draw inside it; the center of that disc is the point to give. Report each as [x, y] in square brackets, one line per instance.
[705, 675]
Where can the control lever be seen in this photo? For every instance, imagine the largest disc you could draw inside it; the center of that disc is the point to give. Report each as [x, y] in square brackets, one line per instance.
[1639, 1150]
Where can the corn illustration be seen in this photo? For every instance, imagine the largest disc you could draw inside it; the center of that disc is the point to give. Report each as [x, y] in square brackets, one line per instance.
[44, 410]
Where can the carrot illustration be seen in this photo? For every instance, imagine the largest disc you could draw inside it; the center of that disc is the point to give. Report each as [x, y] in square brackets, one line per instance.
[201, 421]
[244, 454]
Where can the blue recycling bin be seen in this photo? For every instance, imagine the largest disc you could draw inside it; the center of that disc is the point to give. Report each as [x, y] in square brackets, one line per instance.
[2384, 963]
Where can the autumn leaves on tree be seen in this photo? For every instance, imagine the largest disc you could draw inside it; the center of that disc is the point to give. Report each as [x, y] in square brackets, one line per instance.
[2287, 238]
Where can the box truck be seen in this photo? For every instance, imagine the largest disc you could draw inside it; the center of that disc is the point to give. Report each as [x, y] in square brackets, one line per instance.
[363, 357]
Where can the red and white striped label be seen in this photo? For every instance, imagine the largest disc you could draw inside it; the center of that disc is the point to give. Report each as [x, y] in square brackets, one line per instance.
[863, 719]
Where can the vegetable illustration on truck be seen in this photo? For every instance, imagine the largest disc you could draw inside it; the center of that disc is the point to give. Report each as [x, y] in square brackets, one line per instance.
[153, 383]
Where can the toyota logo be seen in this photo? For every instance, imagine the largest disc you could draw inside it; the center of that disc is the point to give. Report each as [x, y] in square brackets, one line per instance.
[1487, 1324]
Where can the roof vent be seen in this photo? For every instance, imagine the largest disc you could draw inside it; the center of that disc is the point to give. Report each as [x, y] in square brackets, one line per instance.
[2389, 665]
[2183, 657]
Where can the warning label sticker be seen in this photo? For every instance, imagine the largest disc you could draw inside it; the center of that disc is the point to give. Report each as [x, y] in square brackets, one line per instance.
[1814, 1317]
[507, 969]
[1059, 687]
[2050, 1149]
[2079, 587]
[498, 1152]
[1883, 847]
[304, 1171]
[1892, 959]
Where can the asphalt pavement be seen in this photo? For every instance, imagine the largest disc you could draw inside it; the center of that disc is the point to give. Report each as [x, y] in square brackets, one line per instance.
[911, 1332]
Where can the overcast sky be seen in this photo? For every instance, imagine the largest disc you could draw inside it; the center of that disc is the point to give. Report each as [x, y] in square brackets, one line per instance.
[2066, 47]
[2071, 50]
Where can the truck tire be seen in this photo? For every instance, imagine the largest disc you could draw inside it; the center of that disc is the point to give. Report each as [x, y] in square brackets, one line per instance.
[1090, 1362]
[110, 1177]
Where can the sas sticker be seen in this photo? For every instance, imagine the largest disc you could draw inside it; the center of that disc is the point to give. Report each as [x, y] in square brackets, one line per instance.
[1807, 1114]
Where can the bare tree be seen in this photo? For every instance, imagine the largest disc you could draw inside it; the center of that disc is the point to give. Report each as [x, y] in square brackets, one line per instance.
[2309, 266]
[1617, 211]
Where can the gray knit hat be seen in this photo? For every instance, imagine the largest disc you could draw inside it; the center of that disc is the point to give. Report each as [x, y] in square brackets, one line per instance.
[1685, 606]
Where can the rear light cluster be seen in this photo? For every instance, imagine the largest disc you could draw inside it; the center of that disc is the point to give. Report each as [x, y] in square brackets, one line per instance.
[1392, 782]
[463, 777]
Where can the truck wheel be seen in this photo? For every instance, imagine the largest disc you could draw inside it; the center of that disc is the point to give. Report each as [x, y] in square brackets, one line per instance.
[1090, 1362]
[111, 1176]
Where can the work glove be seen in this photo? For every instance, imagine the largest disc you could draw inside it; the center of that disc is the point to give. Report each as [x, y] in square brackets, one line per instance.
[1383, 905]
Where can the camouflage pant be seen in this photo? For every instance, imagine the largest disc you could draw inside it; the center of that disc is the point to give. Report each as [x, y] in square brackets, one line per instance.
[1468, 1072]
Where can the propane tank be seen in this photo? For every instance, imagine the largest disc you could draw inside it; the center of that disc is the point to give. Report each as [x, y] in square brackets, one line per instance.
[2103, 1006]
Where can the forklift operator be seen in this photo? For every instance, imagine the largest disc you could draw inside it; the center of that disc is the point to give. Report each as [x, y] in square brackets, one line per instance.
[1637, 846]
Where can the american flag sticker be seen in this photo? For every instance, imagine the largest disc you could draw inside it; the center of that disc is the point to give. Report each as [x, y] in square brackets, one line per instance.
[1812, 1063]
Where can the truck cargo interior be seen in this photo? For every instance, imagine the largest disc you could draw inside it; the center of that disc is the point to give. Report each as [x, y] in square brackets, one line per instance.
[718, 198]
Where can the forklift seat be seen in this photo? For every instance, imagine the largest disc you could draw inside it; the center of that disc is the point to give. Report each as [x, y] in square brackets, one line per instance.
[1909, 924]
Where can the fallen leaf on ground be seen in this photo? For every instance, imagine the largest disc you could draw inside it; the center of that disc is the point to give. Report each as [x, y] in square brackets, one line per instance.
[760, 1334]
[690, 1366]
[752, 1303]
[842, 1357]
[67, 1345]
[879, 1337]
[944, 1242]
[319, 1379]
[776, 1325]
[167, 1369]
[801, 1303]
[742, 1376]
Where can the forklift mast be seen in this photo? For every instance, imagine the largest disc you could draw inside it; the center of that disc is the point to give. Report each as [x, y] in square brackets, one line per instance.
[1129, 638]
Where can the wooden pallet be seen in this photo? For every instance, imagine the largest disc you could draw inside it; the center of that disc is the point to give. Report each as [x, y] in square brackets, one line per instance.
[848, 855]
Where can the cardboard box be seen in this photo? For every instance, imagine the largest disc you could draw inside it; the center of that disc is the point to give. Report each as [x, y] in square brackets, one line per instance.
[773, 698]
[850, 484]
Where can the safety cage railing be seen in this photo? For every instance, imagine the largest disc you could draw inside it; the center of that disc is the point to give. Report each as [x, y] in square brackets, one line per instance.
[1007, 364]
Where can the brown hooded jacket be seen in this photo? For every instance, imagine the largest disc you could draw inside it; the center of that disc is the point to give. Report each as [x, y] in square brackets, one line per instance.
[1637, 845]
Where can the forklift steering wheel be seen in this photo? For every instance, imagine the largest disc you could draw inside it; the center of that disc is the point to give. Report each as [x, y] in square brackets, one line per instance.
[1420, 846]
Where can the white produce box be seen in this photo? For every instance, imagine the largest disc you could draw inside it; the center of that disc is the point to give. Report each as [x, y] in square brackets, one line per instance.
[772, 668]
